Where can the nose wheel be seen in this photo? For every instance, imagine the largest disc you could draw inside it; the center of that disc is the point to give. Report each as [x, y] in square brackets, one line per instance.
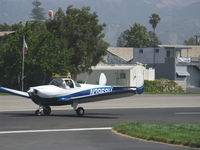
[46, 110]
[38, 112]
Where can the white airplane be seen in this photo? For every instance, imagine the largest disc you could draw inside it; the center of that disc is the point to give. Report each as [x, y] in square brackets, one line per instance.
[65, 91]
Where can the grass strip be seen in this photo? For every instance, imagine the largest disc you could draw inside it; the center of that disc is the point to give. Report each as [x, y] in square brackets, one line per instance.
[4, 94]
[173, 93]
[181, 134]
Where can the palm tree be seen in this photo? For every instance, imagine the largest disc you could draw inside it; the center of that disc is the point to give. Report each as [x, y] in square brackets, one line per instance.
[154, 19]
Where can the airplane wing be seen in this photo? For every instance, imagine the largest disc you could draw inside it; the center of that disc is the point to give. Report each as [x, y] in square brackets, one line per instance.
[14, 92]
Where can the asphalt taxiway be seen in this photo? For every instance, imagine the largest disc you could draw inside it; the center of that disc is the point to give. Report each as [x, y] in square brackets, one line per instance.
[21, 130]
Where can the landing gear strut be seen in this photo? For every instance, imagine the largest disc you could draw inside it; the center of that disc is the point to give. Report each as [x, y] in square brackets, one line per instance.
[43, 109]
[79, 111]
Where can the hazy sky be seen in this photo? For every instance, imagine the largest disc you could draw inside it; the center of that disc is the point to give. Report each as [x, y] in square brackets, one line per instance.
[158, 3]
[166, 3]
[177, 24]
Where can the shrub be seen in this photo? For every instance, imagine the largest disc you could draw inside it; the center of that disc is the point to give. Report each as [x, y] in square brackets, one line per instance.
[80, 81]
[162, 86]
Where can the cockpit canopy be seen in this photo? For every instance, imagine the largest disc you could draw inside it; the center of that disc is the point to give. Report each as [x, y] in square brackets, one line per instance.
[65, 83]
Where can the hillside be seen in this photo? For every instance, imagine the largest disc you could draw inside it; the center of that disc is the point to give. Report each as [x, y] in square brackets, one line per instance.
[180, 18]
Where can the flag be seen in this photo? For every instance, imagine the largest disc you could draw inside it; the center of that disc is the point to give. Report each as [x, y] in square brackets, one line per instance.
[25, 46]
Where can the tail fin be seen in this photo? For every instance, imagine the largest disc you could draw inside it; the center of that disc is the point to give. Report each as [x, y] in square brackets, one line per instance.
[140, 80]
[102, 79]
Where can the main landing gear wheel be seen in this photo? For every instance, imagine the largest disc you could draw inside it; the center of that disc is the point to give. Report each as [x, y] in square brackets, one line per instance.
[80, 112]
[47, 110]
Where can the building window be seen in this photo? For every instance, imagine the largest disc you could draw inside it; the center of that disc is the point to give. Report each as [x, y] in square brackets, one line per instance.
[157, 50]
[141, 51]
[122, 76]
[168, 54]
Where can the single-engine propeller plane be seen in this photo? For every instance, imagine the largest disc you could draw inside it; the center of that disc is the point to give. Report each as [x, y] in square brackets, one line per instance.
[65, 91]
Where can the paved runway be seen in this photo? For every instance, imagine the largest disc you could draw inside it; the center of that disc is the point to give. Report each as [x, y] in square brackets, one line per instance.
[14, 103]
[51, 132]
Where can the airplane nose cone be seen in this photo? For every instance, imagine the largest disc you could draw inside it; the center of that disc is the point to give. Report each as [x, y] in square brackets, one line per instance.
[32, 91]
[46, 91]
[35, 91]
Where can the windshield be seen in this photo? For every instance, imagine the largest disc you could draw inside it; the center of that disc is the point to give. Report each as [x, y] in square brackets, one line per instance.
[58, 82]
[77, 84]
[64, 83]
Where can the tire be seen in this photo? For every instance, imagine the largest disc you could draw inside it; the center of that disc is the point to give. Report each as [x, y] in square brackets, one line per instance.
[47, 110]
[80, 112]
[38, 113]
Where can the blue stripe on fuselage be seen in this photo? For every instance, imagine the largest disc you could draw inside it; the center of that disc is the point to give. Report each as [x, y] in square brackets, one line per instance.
[74, 95]
[91, 93]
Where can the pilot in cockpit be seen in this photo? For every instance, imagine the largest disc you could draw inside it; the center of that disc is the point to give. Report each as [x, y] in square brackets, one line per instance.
[69, 84]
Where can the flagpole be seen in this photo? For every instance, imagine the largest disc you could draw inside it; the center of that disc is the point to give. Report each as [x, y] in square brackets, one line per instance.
[23, 66]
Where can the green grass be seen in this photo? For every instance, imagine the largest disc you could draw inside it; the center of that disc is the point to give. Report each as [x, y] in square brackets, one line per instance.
[173, 93]
[4, 94]
[181, 134]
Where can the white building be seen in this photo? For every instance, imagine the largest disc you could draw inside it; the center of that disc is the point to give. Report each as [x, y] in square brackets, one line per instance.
[3, 33]
[124, 75]
[180, 63]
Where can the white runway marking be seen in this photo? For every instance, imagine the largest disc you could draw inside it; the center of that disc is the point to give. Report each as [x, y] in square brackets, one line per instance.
[54, 130]
[188, 113]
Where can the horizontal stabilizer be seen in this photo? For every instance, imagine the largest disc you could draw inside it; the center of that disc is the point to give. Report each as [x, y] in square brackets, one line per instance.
[14, 92]
[123, 87]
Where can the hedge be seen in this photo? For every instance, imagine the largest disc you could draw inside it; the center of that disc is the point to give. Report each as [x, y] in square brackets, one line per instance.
[162, 86]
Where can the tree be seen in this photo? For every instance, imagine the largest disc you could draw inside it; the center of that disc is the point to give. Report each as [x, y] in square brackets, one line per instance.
[13, 27]
[153, 39]
[37, 12]
[154, 19]
[4, 27]
[59, 14]
[45, 56]
[71, 42]
[136, 36]
[10, 46]
[192, 41]
[82, 35]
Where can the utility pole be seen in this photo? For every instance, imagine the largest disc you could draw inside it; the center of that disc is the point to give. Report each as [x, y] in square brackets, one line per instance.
[22, 70]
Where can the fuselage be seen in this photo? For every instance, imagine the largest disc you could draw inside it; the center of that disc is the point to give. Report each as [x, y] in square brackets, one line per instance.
[52, 95]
